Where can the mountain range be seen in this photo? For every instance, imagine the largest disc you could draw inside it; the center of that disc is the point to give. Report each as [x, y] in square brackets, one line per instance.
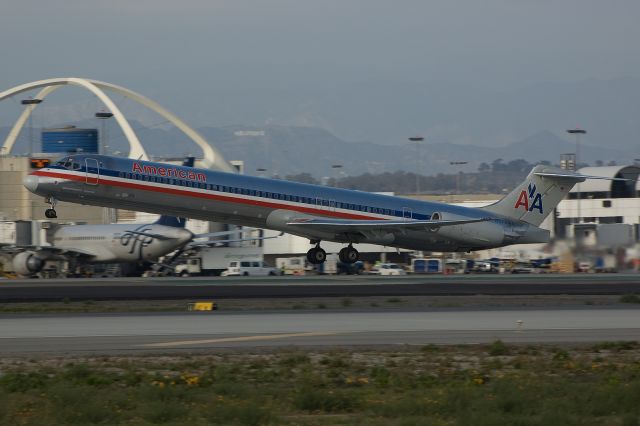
[287, 150]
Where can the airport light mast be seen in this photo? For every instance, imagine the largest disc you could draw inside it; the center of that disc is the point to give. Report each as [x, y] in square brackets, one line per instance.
[578, 132]
[103, 116]
[458, 163]
[30, 103]
[336, 168]
[417, 140]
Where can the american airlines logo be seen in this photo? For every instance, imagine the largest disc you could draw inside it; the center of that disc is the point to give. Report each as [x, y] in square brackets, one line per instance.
[168, 172]
[529, 199]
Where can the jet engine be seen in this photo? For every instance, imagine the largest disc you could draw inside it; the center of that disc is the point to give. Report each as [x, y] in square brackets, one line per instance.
[27, 263]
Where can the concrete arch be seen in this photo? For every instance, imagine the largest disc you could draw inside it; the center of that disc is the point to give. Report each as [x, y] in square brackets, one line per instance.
[212, 158]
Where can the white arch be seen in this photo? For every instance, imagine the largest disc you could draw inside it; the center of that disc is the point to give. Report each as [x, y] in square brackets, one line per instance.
[136, 150]
[212, 158]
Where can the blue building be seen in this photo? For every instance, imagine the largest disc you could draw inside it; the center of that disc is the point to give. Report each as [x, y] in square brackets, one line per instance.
[69, 140]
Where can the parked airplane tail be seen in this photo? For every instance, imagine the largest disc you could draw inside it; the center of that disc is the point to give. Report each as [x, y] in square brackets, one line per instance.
[176, 222]
[538, 195]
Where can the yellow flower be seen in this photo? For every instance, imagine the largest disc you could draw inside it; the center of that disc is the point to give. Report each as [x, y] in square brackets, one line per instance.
[191, 380]
[478, 381]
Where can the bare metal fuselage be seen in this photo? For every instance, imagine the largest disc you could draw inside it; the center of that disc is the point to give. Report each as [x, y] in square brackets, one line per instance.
[273, 204]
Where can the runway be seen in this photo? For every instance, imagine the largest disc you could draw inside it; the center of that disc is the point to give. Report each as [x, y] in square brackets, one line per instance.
[141, 333]
[316, 286]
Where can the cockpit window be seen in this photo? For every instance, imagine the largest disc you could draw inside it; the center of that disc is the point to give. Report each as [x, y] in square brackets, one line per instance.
[69, 163]
[64, 162]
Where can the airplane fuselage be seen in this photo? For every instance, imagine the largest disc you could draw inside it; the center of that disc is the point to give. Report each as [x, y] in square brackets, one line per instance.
[267, 203]
[120, 242]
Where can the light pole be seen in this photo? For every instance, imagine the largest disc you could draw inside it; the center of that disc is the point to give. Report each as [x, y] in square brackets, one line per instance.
[417, 140]
[336, 168]
[458, 163]
[578, 132]
[31, 103]
[103, 116]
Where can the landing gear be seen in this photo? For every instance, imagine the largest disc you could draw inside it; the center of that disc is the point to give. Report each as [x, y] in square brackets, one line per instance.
[51, 212]
[316, 255]
[349, 255]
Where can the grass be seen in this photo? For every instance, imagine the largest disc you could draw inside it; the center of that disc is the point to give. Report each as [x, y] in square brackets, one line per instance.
[630, 298]
[491, 384]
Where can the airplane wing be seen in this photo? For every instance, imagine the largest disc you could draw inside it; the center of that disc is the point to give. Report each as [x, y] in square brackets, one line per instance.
[216, 242]
[348, 225]
[149, 234]
[48, 251]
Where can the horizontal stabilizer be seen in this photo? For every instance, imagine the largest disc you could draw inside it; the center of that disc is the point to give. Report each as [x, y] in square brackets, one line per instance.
[577, 177]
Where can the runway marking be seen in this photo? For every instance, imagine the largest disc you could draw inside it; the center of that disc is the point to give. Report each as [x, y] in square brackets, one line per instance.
[237, 339]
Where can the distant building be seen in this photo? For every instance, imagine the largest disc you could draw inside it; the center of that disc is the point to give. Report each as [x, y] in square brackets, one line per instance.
[601, 201]
[70, 140]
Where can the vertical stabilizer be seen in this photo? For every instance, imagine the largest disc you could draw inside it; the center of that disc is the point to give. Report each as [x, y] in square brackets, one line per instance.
[537, 196]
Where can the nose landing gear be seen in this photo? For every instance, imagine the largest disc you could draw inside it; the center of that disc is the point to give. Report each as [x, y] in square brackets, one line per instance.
[349, 254]
[51, 212]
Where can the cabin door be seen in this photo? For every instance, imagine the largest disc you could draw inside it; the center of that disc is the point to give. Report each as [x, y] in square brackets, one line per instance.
[92, 175]
[407, 213]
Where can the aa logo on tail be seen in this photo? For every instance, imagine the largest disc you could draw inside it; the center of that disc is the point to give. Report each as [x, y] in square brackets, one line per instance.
[530, 199]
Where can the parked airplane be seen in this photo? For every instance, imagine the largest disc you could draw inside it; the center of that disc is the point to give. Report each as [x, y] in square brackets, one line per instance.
[312, 211]
[116, 243]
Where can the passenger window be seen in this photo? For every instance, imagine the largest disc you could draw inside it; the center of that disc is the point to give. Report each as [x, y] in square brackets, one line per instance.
[245, 264]
[255, 264]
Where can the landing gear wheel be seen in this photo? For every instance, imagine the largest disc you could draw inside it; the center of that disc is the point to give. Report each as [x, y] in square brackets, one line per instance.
[316, 256]
[50, 213]
[349, 255]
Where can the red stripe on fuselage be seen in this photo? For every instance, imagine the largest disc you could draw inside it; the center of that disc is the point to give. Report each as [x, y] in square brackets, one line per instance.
[216, 197]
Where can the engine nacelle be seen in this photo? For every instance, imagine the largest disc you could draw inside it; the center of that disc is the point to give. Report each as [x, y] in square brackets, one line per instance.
[479, 234]
[27, 263]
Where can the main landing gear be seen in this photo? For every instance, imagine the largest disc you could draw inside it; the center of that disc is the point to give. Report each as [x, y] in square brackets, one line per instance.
[317, 255]
[349, 255]
[51, 212]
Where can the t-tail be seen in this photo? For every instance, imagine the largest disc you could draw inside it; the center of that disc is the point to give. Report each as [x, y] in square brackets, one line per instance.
[175, 222]
[534, 199]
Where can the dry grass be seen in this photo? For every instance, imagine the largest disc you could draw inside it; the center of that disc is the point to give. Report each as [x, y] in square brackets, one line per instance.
[491, 384]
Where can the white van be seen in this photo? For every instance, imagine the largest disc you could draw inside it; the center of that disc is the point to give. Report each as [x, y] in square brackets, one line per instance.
[249, 267]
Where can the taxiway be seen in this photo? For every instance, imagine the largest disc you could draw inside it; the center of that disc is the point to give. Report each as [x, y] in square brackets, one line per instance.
[122, 333]
[316, 286]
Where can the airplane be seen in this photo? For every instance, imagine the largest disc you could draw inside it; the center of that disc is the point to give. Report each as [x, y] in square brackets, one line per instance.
[319, 213]
[116, 243]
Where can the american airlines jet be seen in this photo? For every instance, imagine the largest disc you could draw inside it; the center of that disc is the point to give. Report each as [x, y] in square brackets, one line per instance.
[318, 213]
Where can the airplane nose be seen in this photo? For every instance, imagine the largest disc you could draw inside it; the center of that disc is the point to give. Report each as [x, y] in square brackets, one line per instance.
[31, 183]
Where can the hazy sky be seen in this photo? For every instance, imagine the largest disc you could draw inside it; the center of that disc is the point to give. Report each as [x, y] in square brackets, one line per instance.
[251, 62]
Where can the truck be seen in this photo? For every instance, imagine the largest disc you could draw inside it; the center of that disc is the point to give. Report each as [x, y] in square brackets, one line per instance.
[206, 261]
[292, 265]
[426, 266]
